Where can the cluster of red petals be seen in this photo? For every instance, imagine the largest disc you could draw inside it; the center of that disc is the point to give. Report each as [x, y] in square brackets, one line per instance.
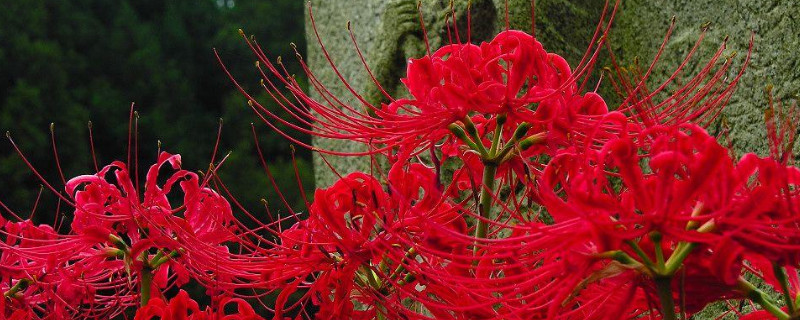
[679, 183]
[511, 74]
[591, 208]
[536, 202]
[507, 75]
[359, 240]
[117, 233]
[182, 307]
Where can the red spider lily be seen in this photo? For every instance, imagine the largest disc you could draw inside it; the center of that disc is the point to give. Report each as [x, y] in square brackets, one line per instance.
[48, 273]
[359, 240]
[489, 103]
[137, 227]
[119, 245]
[510, 75]
[766, 222]
[665, 176]
[672, 199]
[182, 307]
[105, 205]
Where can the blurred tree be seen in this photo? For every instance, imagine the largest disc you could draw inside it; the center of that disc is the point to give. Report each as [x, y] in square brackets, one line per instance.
[70, 62]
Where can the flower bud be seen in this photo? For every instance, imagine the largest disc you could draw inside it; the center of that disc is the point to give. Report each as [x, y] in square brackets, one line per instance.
[114, 252]
[533, 140]
[521, 130]
[457, 131]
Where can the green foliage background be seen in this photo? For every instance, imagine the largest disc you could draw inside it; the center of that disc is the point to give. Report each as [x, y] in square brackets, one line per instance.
[70, 62]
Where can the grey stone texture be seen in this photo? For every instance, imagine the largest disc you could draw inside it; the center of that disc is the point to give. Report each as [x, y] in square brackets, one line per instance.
[775, 59]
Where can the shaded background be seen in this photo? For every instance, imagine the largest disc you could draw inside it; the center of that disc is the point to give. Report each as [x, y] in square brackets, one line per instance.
[70, 62]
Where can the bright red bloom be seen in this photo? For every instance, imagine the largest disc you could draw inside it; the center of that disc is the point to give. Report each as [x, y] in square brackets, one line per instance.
[360, 240]
[511, 75]
[117, 235]
[182, 307]
[106, 210]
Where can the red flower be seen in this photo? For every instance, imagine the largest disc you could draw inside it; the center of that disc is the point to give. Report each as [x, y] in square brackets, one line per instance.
[361, 243]
[182, 307]
[117, 235]
[763, 218]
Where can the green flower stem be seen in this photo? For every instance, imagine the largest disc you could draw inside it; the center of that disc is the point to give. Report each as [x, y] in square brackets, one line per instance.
[693, 224]
[459, 133]
[472, 131]
[683, 250]
[664, 288]
[381, 313]
[372, 278]
[160, 259]
[156, 257]
[757, 296]
[407, 279]
[505, 153]
[146, 279]
[401, 268]
[675, 261]
[119, 243]
[622, 257]
[487, 190]
[639, 252]
[498, 131]
[655, 236]
[780, 273]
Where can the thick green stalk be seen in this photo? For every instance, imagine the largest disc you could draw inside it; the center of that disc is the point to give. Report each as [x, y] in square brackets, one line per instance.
[675, 261]
[498, 131]
[655, 236]
[146, 280]
[486, 197]
[664, 287]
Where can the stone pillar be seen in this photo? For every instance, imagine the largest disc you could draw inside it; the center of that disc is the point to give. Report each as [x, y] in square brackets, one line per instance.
[776, 60]
[331, 19]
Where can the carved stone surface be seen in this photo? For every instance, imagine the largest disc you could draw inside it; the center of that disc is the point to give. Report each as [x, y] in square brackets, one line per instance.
[776, 59]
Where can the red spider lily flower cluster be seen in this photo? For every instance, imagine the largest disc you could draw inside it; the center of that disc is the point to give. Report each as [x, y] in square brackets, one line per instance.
[536, 201]
[124, 247]
[183, 307]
